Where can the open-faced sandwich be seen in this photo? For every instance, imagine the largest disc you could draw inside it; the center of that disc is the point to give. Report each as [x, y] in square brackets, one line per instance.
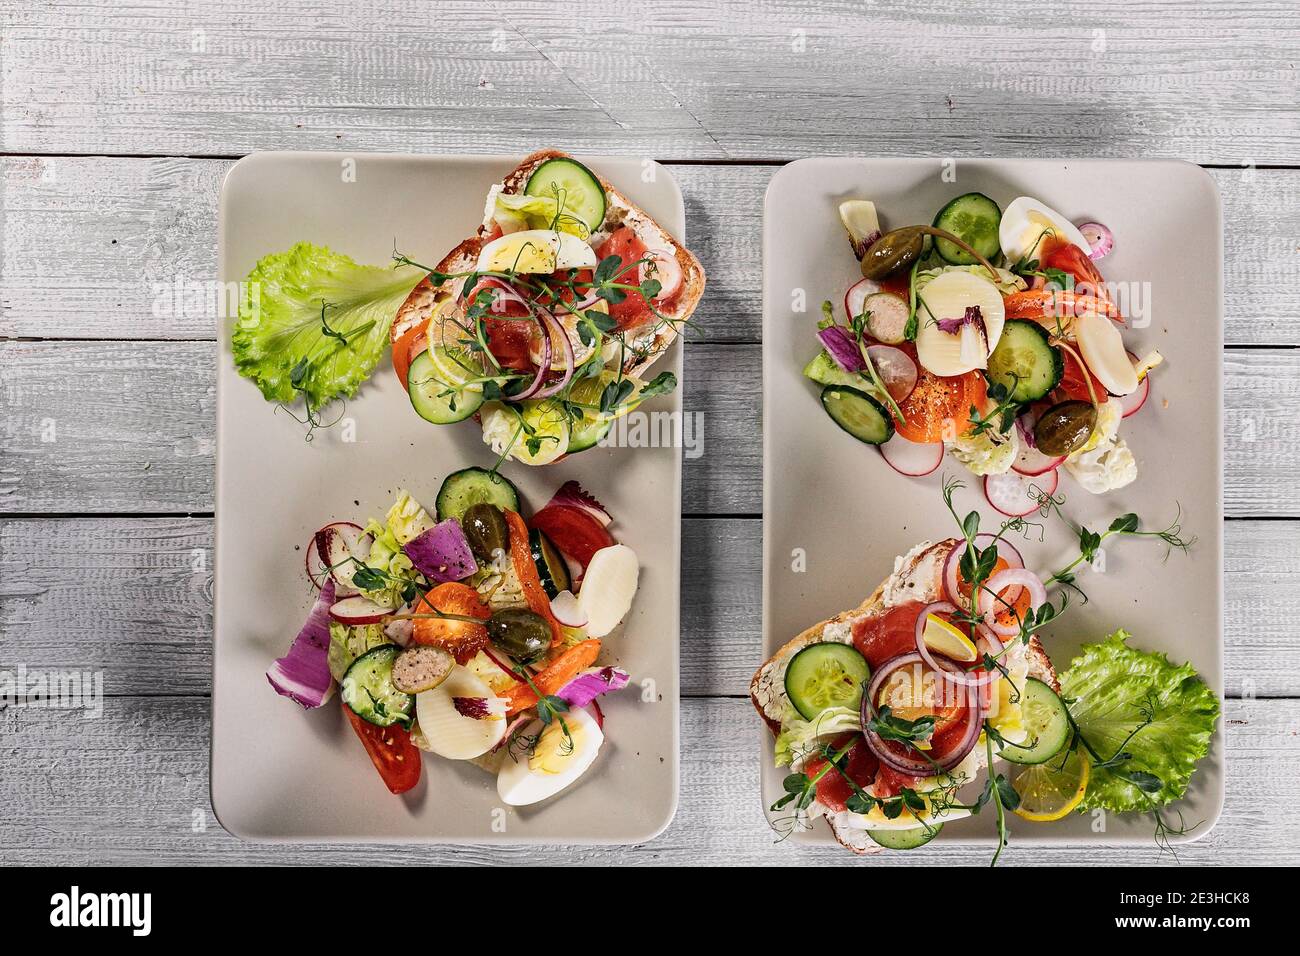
[888, 715]
[543, 323]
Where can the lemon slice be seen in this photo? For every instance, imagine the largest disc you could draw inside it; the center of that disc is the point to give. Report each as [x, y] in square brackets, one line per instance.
[1049, 791]
[943, 638]
[549, 424]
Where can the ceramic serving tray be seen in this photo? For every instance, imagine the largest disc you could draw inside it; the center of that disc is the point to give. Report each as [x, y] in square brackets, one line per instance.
[279, 773]
[838, 504]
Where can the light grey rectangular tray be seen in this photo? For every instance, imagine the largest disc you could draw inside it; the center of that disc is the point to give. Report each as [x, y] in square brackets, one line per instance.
[839, 501]
[281, 774]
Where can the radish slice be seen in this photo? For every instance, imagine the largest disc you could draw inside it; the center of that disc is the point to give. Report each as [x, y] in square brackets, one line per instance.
[333, 546]
[896, 369]
[664, 267]
[1100, 239]
[990, 602]
[358, 610]
[608, 588]
[910, 458]
[567, 610]
[857, 293]
[952, 567]
[1131, 402]
[1018, 495]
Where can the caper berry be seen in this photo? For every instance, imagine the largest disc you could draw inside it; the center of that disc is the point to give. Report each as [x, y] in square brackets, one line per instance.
[519, 632]
[485, 528]
[1065, 427]
[895, 250]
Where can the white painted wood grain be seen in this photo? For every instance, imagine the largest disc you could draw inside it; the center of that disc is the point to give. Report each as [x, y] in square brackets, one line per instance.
[133, 597]
[128, 788]
[89, 243]
[1209, 81]
[133, 428]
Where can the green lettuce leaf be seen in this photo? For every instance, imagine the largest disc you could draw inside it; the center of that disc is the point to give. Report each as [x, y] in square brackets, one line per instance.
[280, 324]
[1115, 689]
[799, 737]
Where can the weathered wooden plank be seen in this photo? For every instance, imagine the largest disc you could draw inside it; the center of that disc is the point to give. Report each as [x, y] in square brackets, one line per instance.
[1209, 81]
[131, 787]
[88, 245]
[133, 597]
[127, 427]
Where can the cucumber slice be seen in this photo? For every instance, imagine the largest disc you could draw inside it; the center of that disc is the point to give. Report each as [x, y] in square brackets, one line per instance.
[858, 414]
[434, 399]
[1045, 717]
[905, 839]
[577, 188]
[974, 218]
[588, 431]
[826, 675]
[474, 486]
[367, 688]
[1025, 362]
[823, 370]
[551, 568]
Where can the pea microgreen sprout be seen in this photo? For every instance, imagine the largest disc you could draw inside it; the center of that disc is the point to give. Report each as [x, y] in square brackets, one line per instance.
[311, 418]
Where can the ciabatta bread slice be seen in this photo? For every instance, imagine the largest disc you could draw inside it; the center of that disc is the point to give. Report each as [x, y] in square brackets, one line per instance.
[644, 345]
[917, 576]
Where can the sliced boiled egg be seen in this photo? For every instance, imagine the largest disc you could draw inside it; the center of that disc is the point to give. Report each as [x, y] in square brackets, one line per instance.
[1026, 222]
[554, 763]
[461, 718]
[948, 296]
[536, 251]
[1103, 349]
[608, 588]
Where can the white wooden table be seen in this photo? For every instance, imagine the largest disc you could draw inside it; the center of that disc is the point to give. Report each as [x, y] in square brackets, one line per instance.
[119, 121]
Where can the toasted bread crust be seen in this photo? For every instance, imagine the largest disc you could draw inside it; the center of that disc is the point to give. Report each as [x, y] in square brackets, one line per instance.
[652, 343]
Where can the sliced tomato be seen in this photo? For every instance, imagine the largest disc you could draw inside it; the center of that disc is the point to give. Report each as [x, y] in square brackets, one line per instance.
[460, 638]
[938, 408]
[882, 637]
[510, 331]
[633, 312]
[1074, 381]
[391, 751]
[572, 530]
[1057, 253]
[410, 344]
[833, 790]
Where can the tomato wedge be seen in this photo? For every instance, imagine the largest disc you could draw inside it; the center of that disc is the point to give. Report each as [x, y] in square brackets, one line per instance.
[1073, 382]
[938, 408]
[391, 751]
[410, 344]
[461, 638]
[833, 790]
[521, 556]
[575, 532]
[552, 678]
[1057, 253]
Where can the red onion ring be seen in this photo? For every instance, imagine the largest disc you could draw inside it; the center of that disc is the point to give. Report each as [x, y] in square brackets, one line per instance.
[952, 567]
[956, 674]
[990, 603]
[570, 360]
[918, 766]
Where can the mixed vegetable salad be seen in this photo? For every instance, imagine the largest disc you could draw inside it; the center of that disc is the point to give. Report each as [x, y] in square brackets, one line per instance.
[992, 335]
[889, 713]
[541, 325]
[473, 634]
